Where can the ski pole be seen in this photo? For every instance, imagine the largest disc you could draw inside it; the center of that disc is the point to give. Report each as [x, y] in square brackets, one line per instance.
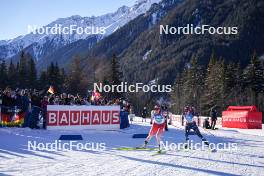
[208, 132]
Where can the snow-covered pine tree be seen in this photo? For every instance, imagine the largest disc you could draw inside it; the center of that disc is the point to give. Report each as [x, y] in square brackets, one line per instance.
[116, 75]
[3, 74]
[193, 84]
[253, 78]
[214, 85]
[12, 75]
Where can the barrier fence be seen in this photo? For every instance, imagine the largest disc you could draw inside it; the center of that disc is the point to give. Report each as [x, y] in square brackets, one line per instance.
[65, 117]
[79, 117]
[86, 117]
[178, 119]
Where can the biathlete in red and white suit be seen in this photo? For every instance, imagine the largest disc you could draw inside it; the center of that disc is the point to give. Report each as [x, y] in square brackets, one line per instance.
[158, 126]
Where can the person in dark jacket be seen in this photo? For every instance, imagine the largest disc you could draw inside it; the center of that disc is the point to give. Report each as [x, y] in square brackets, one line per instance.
[44, 105]
[36, 108]
[8, 102]
[7, 99]
[206, 123]
[144, 114]
[213, 115]
[189, 113]
[26, 99]
[166, 114]
[18, 99]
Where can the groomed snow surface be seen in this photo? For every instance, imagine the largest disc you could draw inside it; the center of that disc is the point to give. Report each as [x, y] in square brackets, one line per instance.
[15, 159]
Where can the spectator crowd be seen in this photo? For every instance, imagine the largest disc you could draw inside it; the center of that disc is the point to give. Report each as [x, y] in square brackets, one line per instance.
[34, 103]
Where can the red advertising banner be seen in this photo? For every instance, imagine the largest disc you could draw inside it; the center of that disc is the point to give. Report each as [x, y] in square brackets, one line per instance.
[242, 117]
[83, 117]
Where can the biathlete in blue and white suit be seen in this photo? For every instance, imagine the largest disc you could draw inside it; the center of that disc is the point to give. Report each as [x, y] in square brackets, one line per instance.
[188, 115]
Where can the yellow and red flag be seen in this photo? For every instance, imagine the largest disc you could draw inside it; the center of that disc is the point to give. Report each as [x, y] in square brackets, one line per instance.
[51, 90]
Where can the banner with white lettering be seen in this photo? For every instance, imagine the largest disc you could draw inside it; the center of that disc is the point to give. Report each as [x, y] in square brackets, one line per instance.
[83, 117]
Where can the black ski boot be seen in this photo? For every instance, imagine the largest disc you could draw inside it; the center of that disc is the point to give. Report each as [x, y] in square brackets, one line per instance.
[144, 145]
[205, 142]
[159, 150]
[187, 145]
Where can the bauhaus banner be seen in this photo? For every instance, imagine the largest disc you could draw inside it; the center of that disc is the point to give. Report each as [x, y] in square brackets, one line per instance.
[83, 117]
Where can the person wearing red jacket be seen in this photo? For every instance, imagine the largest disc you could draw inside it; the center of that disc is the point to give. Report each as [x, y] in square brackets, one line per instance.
[158, 126]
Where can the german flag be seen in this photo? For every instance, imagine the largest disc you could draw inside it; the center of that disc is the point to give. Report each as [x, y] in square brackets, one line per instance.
[51, 90]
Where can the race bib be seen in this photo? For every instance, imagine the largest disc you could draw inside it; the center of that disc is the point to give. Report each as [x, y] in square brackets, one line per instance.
[189, 117]
[159, 119]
